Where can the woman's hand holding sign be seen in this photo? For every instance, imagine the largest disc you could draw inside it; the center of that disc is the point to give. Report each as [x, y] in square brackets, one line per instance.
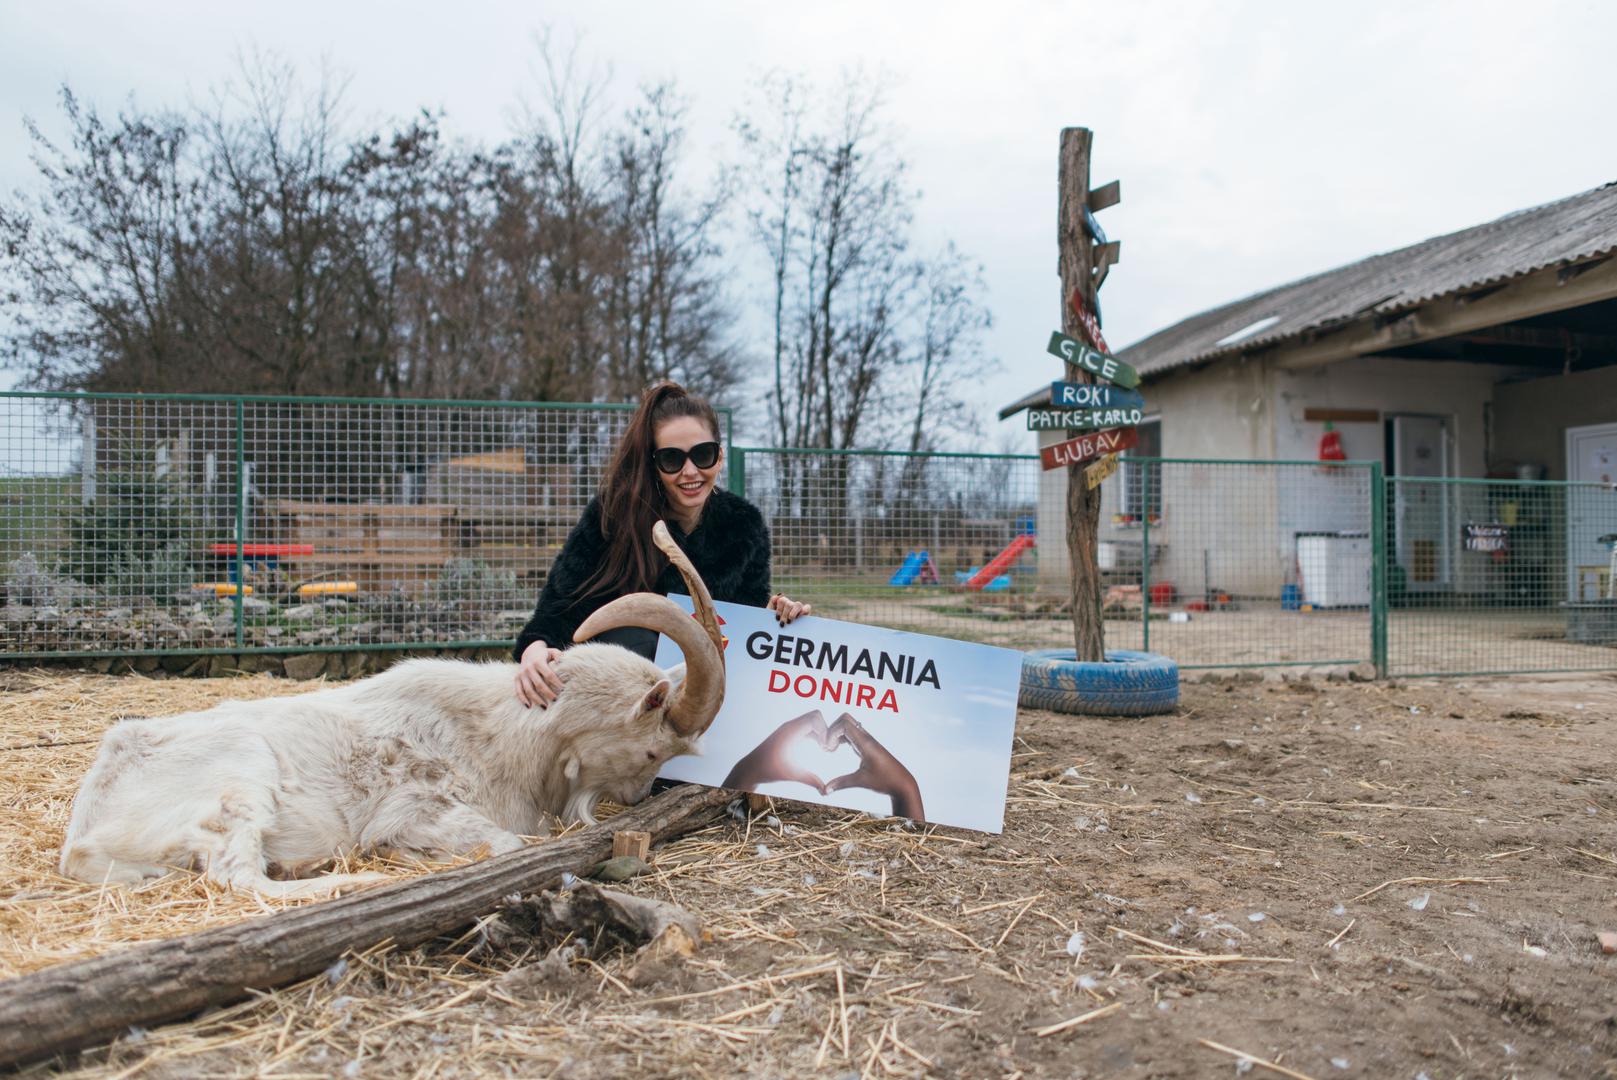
[774, 759]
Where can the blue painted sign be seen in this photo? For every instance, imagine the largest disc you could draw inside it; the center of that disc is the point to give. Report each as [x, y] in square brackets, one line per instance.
[1107, 367]
[1077, 395]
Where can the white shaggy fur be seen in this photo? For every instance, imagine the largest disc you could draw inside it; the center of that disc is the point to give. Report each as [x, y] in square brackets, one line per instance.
[432, 757]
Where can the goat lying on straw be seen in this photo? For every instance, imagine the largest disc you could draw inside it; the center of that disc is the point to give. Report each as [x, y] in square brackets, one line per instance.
[431, 757]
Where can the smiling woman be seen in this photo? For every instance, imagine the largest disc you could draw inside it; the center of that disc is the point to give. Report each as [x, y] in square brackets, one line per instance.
[666, 467]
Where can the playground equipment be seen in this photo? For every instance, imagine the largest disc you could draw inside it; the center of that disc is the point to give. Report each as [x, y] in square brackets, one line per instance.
[989, 575]
[917, 568]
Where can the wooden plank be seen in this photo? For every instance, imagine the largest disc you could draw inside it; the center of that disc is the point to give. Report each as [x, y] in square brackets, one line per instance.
[1108, 254]
[71, 1006]
[1084, 448]
[633, 843]
[1342, 416]
[1071, 395]
[1098, 363]
[423, 511]
[1106, 195]
[1081, 419]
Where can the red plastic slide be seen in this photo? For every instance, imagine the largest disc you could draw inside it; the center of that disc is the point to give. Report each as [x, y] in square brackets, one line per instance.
[1000, 563]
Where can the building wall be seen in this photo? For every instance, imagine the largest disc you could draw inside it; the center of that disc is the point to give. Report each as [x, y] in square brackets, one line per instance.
[1531, 417]
[1209, 512]
[1214, 515]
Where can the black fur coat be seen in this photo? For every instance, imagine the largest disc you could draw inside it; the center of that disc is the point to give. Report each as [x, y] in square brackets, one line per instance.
[729, 548]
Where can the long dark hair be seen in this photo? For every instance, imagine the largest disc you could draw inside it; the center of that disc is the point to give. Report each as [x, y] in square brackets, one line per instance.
[633, 498]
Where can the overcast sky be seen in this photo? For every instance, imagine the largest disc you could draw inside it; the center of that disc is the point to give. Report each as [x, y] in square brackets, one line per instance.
[1256, 142]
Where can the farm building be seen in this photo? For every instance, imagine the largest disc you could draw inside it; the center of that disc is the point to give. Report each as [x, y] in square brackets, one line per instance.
[1486, 353]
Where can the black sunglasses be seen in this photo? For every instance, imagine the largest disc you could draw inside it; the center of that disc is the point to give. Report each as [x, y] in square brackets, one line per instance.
[671, 459]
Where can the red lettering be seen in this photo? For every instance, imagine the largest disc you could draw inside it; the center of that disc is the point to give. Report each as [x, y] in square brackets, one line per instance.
[797, 686]
[867, 695]
[889, 700]
[833, 690]
[785, 681]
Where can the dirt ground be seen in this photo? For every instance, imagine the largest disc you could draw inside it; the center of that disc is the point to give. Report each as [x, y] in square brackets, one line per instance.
[1340, 879]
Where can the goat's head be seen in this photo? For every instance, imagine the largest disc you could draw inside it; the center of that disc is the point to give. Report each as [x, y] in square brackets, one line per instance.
[618, 756]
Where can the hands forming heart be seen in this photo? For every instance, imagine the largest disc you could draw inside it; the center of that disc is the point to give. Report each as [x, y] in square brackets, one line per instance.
[775, 759]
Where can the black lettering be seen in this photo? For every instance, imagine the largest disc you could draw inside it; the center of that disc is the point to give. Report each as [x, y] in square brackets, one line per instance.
[889, 668]
[833, 658]
[929, 674]
[753, 646]
[861, 663]
[801, 653]
[783, 649]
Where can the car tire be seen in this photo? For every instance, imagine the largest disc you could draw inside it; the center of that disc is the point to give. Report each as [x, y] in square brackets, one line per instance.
[1127, 683]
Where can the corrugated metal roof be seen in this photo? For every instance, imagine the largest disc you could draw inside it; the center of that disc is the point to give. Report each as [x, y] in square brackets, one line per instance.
[1560, 233]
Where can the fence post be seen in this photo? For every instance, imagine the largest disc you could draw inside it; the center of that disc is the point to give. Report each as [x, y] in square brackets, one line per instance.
[241, 521]
[1378, 569]
[1145, 559]
[738, 471]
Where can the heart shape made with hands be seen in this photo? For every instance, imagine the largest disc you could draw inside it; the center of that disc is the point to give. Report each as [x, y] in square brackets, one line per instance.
[820, 752]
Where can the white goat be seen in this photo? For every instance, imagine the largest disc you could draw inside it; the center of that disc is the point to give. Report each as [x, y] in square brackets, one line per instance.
[434, 757]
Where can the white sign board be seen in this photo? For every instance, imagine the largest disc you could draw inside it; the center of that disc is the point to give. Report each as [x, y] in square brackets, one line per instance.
[859, 717]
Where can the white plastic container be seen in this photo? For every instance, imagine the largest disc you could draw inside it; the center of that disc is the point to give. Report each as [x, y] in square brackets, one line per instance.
[1335, 569]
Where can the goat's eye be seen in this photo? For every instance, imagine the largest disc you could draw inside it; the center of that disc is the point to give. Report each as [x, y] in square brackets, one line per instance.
[651, 755]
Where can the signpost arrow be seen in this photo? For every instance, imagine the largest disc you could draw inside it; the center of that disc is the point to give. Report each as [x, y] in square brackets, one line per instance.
[1077, 395]
[1099, 471]
[1081, 419]
[1081, 449]
[1107, 367]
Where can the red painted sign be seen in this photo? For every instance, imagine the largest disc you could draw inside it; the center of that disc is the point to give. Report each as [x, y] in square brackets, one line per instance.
[1087, 320]
[1087, 447]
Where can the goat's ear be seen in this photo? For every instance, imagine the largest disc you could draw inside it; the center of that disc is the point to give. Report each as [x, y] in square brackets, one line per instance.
[656, 697]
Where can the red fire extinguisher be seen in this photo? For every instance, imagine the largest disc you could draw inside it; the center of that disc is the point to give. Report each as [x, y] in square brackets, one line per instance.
[1330, 445]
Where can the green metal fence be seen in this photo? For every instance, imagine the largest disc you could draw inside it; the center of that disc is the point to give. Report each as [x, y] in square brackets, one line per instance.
[205, 524]
[127, 523]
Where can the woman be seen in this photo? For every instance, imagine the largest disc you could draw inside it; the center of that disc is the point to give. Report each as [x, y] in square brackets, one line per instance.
[666, 467]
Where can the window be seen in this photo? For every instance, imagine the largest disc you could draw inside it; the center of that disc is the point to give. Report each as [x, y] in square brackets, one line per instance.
[1142, 484]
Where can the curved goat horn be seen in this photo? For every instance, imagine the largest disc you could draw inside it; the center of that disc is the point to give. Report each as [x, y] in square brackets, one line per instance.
[700, 600]
[696, 701]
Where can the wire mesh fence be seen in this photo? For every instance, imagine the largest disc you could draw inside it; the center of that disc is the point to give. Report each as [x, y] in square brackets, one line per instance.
[138, 524]
[1493, 575]
[152, 525]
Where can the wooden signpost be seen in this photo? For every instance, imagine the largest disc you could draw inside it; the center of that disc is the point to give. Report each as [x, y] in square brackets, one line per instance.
[1093, 361]
[1084, 448]
[1081, 419]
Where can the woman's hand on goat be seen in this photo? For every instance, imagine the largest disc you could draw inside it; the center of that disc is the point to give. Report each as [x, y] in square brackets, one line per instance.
[786, 609]
[878, 770]
[537, 680]
[771, 759]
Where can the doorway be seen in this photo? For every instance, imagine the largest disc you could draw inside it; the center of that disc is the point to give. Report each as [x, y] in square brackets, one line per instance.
[1591, 512]
[1419, 451]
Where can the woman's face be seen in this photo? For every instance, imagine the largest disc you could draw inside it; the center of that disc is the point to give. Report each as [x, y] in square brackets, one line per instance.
[689, 488]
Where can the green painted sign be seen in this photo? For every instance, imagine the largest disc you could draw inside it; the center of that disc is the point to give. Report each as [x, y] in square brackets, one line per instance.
[1107, 367]
[1081, 419]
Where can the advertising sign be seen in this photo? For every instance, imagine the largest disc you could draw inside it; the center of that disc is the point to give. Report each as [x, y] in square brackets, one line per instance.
[860, 717]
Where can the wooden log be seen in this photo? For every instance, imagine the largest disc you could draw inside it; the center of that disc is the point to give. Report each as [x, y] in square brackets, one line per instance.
[73, 1006]
[637, 844]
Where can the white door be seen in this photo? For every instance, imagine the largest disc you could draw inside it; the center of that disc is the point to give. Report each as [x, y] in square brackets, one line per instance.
[1421, 452]
[1591, 458]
